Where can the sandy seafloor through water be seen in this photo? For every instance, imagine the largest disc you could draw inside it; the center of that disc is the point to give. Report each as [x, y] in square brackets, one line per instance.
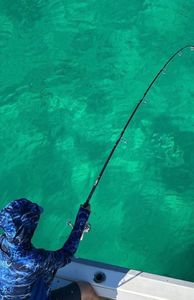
[71, 73]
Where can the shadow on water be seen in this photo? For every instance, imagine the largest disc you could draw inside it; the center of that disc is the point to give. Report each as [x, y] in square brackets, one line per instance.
[22, 11]
[181, 265]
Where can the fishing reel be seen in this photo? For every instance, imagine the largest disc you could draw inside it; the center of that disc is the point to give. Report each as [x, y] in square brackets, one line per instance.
[86, 229]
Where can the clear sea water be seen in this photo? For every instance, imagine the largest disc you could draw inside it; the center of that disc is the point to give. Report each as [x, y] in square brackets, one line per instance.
[71, 73]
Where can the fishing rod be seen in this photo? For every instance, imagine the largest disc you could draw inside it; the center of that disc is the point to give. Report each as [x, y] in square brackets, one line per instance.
[128, 121]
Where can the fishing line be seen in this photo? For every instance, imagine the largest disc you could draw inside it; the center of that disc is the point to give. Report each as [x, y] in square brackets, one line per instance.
[128, 122]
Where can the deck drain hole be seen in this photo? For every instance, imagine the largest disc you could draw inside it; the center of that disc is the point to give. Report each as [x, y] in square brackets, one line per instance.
[99, 277]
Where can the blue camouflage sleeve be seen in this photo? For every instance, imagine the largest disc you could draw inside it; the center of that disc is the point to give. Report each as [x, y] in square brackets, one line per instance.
[61, 257]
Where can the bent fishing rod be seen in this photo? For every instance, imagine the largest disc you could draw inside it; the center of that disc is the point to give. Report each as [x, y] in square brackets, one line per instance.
[128, 122]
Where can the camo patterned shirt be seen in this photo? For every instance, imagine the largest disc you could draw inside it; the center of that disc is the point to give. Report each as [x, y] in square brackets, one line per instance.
[21, 264]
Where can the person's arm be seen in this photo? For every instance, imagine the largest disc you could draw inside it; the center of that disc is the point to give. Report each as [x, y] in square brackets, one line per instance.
[63, 256]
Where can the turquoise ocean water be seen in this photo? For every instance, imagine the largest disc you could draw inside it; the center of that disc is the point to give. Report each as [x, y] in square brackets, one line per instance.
[71, 73]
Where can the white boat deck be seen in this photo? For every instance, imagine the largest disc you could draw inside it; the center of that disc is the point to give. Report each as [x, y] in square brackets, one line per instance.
[124, 284]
